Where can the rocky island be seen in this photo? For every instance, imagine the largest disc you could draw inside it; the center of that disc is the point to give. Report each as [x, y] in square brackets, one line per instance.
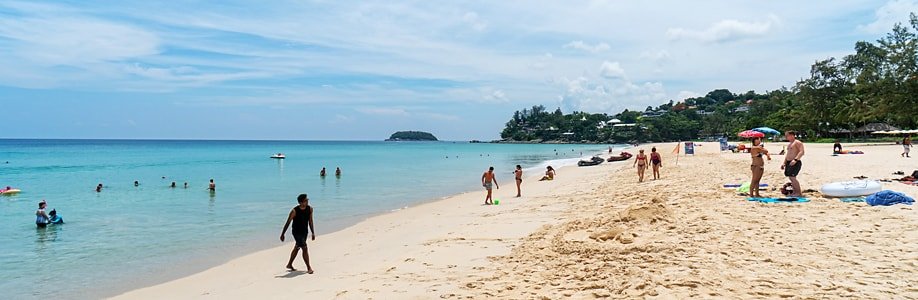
[411, 136]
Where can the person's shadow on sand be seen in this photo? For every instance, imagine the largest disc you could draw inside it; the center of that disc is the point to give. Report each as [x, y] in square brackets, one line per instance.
[291, 274]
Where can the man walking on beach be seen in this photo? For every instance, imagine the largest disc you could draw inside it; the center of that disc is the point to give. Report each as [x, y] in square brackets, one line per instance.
[792, 161]
[301, 215]
[487, 181]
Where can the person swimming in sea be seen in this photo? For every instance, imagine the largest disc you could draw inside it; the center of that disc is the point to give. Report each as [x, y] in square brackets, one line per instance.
[322, 173]
[99, 188]
[41, 218]
[136, 183]
[337, 171]
[213, 186]
[172, 185]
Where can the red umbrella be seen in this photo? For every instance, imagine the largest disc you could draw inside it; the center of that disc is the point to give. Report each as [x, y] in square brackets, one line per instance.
[750, 134]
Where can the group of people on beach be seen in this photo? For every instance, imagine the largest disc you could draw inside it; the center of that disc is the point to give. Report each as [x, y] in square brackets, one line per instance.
[488, 181]
[791, 165]
[640, 162]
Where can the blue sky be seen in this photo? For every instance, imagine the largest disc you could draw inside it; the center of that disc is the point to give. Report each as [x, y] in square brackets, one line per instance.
[360, 70]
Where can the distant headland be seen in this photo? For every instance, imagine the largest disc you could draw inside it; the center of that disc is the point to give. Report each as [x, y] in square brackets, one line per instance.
[411, 136]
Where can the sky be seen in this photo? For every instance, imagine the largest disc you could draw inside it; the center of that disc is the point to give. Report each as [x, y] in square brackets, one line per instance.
[361, 70]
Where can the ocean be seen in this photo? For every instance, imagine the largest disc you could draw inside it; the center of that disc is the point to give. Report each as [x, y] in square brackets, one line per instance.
[128, 236]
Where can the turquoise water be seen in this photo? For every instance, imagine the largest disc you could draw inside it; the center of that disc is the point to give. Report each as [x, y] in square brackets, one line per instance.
[127, 236]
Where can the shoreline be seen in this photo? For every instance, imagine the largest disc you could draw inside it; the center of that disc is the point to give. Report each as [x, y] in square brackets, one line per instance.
[207, 264]
[278, 254]
[681, 236]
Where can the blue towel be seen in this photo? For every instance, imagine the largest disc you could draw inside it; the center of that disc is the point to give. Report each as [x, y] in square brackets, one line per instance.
[777, 200]
[852, 199]
[888, 197]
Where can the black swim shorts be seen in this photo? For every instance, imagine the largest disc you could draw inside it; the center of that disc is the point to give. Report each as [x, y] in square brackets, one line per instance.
[300, 239]
[792, 171]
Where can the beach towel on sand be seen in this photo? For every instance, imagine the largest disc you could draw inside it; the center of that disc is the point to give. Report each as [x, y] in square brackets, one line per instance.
[888, 197]
[778, 200]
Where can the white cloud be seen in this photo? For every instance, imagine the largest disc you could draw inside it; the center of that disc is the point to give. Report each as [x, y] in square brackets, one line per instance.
[724, 31]
[895, 11]
[438, 116]
[611, 70]
[656, 56]
[76, 41]
[496, 96]
[542, 62]
[609, 94]
[342, 119]
[476, 22]
[600, 47]
[686, 94]
[383, 111]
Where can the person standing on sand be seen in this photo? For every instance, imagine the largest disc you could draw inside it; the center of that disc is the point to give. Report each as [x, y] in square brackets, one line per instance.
[519, 179]
[758, 165]
[487, 181]
[301, 216]
[792, 163]
[212, 186]
[906, 145]
[656, 161]
[641, 162]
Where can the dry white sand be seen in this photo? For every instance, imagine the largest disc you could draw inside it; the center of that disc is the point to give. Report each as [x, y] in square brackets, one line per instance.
[596, 232]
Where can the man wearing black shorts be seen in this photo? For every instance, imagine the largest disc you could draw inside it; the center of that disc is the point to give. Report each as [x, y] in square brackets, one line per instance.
[792, 163]
[301, 216]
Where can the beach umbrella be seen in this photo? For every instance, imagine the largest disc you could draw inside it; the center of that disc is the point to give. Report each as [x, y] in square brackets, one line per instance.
[750, 134]
[766, 130]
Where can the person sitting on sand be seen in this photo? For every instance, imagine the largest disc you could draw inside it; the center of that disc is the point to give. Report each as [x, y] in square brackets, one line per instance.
[549, 174]
[41, 218]
[301, 216]
[518, 174]
[758, 165]
[656, 161]
[487, 181]
[641, 163]
[322, 173]
[836, 148]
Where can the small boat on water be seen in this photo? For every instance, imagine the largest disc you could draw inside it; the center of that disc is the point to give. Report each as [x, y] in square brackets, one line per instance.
[279, 156]
[592, 162]
[620, 157]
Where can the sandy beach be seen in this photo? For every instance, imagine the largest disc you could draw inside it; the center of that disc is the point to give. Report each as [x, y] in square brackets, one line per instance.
[595, 232]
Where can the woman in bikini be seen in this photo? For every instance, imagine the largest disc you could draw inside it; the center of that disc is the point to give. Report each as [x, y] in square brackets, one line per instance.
[758, 165]
[641, 163]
